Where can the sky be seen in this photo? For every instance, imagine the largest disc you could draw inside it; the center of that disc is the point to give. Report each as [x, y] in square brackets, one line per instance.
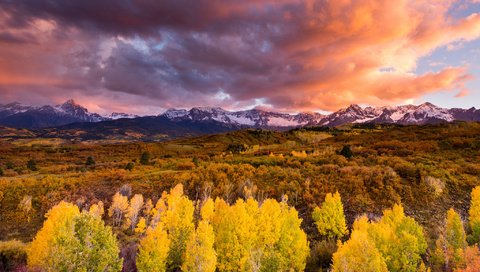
[144, 56]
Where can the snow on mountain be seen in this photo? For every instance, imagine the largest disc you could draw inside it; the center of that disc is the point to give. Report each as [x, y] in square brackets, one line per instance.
[20, 115]
[253, 118]
[120, 115]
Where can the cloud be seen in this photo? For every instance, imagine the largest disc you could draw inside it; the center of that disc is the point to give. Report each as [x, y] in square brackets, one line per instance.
[462, 93]
[290, 54]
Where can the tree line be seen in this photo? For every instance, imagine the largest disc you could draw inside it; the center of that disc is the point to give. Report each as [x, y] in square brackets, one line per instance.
[178, 234]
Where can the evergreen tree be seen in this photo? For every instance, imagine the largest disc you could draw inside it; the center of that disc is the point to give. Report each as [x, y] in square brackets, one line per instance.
[129, 166]
[32, 165]
[145, 158]
[90, 161]
[346, 152]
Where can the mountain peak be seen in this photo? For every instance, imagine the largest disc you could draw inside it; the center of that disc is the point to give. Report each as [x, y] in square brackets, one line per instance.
[427, 105]
[70, 102]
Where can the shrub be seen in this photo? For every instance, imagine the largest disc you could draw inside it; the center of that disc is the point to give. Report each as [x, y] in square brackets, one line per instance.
[12, 255]
[90, 161]
[32, 165]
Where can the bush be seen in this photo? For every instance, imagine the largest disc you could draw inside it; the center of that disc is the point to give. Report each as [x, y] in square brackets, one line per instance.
[346, 152]
[12, 255]
[90, 161]
[145, 158]
[129, 166]
[32, 165]
[1, 172]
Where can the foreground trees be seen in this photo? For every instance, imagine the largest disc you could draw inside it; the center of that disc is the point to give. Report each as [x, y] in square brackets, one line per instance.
[394, 243]
[71, 240]
[178, 234]
[330, 218]
[245, 236]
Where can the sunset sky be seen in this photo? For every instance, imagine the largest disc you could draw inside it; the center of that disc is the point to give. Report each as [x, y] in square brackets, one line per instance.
[143, 56]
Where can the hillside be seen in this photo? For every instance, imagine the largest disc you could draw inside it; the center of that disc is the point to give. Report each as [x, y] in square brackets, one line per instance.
[427, 168]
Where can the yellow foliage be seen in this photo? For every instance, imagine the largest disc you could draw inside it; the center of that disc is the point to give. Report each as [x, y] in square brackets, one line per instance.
[330, 218]
[474, 214]
[141, 226]
[200, 255]
[153, 250]
[97, 209]
[118, 209]
[60, 220]
[359, 253]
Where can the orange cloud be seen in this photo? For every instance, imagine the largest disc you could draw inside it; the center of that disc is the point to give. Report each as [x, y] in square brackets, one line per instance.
[291, 54]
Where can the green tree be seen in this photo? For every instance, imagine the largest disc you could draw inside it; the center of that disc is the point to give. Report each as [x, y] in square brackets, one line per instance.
[96, 246]
[346, 152]
[330, 218]
[129, 166]
[399, 239]
[153, 250]
[455, 239]
[284, 245]
[235, 230]
[474, 214]
[145, 158]
[90, 161]
[1, 172]
[32, 165]
[200, 255]
[74, 241]
[359, 253]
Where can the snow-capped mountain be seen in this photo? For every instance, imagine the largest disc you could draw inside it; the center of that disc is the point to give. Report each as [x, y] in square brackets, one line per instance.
[426, 113]
[251, 118]
[25, 116]
[120, 115]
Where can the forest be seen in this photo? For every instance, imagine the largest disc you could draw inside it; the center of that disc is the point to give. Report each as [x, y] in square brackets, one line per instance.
[350, 198]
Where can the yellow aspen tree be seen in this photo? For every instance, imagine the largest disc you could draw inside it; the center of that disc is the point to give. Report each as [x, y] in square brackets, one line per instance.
[330, 217]
[231, 255]
[455, 238]
[474, 214]
[147, 210]
[141, 226]
[399, 239]
[283, 244]
[74, 241]
[136, 204]
[25, 206]
[200, 255]
[118, 209]
[60, 220]
[97, 209]
[177, 218]
[153, 250]
[359, 253]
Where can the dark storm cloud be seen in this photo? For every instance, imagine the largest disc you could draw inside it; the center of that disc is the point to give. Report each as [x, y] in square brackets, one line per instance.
[289, 53]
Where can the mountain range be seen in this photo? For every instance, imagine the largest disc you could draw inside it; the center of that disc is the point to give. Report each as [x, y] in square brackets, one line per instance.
[69, 117]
